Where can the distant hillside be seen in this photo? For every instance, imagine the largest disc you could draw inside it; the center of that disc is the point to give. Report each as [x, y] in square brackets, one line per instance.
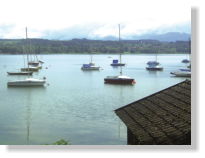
[167, 37]
[171, 37]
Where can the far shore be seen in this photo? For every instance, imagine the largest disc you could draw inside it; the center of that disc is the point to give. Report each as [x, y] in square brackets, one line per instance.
[125, 53]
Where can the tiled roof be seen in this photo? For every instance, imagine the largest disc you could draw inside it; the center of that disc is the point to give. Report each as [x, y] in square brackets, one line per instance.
[161, 118]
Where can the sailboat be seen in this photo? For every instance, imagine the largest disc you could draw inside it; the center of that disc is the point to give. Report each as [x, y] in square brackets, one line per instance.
[32, 63]
[39, 67]
[28, 81]
[181, 74]
[185, 61]
[121, 78]
[20, 73]
[189, 54]
[115, 61]
[90, 66]
[31, 68]
[41, 60]
[154, 65]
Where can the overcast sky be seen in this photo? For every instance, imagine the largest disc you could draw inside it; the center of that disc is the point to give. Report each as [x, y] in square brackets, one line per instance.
[92, 19]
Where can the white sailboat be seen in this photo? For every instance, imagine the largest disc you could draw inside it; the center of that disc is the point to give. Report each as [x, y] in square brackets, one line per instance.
[20, 73]
[90, 66]
[181, 74]
[28, 81]
[154, 65]
[189, 54]
[119, 79]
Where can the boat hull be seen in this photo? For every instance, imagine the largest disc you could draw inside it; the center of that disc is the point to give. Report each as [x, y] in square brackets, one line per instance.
[32, 63]
[117, 64]
[154, 68]
[181, 74]
[39, 67]
[90, 68]
[41, 61]
[30, 69]
[118, 80]
[26, 83]
[20, 73]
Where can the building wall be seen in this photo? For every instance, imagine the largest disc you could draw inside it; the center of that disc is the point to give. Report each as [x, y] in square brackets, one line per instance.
[131, 139]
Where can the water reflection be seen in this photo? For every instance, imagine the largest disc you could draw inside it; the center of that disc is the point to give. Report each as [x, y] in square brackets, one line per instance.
[127, 84]
[28, 87]
[153, 72]
[28, 112]
[115, 67]
[181, 76]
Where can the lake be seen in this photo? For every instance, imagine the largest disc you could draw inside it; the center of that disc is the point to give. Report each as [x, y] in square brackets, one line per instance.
[77, 105]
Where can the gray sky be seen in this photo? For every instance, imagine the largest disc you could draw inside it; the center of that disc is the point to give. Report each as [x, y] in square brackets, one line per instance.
[92, 19]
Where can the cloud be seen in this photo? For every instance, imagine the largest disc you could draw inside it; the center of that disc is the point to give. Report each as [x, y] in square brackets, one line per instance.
[91, 19]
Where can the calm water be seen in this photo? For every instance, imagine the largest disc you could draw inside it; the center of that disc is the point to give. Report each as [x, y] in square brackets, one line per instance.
[76, 105]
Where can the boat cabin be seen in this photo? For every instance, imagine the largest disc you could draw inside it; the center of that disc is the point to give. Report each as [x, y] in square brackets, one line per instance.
[115, 62]
[185, 61]
[152, 63]
[87, 65]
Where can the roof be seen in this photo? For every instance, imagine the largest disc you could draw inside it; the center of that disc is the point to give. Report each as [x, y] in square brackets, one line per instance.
[161, 118]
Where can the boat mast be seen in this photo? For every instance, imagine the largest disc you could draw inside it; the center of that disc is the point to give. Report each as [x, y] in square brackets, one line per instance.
[91, 53]
[189, 51]
[120, 49]
[27, 51]
[156, 56]
[30, 51]
[23, 56]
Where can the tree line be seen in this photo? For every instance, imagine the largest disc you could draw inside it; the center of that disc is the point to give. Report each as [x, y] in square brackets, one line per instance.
[41, 46]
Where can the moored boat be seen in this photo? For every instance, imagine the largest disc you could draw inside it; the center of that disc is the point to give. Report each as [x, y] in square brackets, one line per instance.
[185, 61]
[119, 79]
[89, 67]
[181, 74]
[30, 69]
[115, 63]
[39, 67]
[20, 73]
[33, 63]
[41, 61]
[27, 82]
[153, 65]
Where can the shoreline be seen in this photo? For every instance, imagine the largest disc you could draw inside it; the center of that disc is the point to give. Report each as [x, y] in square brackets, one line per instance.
[92, 53]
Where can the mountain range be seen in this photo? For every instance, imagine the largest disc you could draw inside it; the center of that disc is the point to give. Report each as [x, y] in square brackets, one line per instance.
[167, 37]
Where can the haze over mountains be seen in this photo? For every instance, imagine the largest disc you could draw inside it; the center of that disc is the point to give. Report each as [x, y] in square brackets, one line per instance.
[167, 37]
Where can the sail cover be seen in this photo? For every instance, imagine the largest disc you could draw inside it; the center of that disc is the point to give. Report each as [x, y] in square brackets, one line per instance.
[86, 65]
[152, 62]
[115, 61]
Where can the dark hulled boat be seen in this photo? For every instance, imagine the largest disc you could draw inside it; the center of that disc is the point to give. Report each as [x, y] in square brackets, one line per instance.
[185, 61]
[115, 63]
[153, 65]
[119, 79]
[20, 73]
